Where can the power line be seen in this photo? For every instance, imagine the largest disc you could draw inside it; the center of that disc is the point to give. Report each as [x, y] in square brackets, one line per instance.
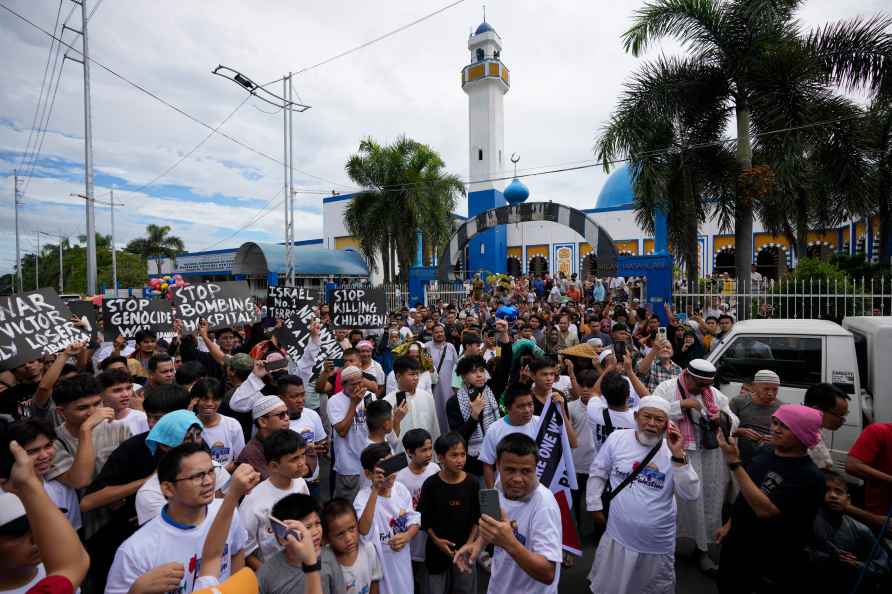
[269, 207]
[95, 8]
[43, 131]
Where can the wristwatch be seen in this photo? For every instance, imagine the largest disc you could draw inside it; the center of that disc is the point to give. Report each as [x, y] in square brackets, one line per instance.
[732, 466]
[317, 566]
[677, 460]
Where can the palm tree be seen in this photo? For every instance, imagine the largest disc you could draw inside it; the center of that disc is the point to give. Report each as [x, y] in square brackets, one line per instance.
[673, 103]
[157, 244]
[878, 131]
[405, 189]
[739, 40]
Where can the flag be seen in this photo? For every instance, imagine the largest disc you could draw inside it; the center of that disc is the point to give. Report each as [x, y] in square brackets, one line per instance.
[556, 471]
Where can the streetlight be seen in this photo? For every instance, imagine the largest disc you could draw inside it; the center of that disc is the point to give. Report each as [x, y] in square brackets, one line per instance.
[288, 107]
[111, 203]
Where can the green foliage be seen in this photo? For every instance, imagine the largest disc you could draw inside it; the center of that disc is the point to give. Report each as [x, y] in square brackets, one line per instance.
[157, 244]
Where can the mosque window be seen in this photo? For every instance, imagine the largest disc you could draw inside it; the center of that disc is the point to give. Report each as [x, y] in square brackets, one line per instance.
[479, 154]
[497, 55]
[480, 55]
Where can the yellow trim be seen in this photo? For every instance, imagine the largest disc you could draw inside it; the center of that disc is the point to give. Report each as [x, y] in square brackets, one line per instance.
[648, 246]
[720, 242]
[505, 75]
[347, 242]
[764, 239]
[515, 252]
[537, 250]
[629, 246]
[475, 72]
[584, 249]
[493, 70]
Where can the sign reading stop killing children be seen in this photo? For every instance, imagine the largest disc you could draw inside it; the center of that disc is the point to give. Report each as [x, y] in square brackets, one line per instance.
[222, 304]
[294, 306]
[127, 316]
[359, 308]
[33, 325]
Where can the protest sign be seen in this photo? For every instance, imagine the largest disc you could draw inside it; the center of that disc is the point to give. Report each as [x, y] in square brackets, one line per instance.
[85, 309]
[33, 325]
[359, 308]
[294, 306]
[127, 316]
[222, 304]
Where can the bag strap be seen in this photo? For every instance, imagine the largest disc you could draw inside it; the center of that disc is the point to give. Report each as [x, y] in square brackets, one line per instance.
[607, 422]
[442, 356]
[634, 474]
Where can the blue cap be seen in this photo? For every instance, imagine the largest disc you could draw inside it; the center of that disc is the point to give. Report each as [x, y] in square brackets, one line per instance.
[170, 430]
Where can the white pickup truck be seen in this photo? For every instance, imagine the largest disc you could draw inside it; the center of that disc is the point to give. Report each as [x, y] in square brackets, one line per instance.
[856, 356]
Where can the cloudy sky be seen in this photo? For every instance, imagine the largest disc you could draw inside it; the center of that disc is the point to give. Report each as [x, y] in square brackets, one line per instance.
[567, 66]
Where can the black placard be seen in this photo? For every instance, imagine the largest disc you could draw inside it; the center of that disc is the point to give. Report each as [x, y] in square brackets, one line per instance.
[359, 308]
[294, 306]
[128, 315]
[85, 309]
[34, 324]
[222, 304]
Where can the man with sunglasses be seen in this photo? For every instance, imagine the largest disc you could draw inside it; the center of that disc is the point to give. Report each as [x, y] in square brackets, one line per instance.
[167, 550]
[270, 414]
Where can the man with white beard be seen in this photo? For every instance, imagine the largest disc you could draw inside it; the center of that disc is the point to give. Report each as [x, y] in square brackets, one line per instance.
[646, 472]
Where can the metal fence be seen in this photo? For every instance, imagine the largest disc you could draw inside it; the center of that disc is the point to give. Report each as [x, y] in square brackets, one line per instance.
[828, 299]
[454, 293]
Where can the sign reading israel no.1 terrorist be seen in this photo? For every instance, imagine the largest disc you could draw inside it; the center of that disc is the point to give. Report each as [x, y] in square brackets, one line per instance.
[222, 304]
[33, 325]
[127, 316]
[294, 306]
[359, 308]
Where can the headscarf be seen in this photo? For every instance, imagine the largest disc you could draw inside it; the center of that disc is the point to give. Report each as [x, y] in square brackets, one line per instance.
[171, 429]
[803, 421]
[686, 422]
[402, 350]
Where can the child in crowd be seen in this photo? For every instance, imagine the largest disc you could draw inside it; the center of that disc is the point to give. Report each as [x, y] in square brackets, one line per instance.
[386, 518]
[842, 545]
[223, 434]
[520, 419]
[285, 453]
[450, 508]
[584, 452]
[420, 449]
[284, 572]
[379, 422]
[117, 393]
[358, 559]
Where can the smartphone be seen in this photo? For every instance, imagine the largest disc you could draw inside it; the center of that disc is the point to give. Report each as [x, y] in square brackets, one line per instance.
[473, 394]
[282, 531]
[400, 398]
[489, 504]
[619, 350]
[394, 463]
[662, 331]
[368, 399]
[277, 365]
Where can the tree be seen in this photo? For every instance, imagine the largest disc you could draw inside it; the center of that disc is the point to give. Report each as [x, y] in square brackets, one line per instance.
[878, 132]
[157, 244]
[406, 189]
[739, 40]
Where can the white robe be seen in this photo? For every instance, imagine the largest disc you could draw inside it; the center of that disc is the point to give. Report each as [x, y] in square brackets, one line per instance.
[700, 519]
[442, 391]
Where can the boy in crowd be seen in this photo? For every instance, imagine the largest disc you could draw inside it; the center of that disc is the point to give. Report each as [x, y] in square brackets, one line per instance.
[520, 419]
[284, 572]
[612, 412]
[346, 411]
[177, 535]
[421, 410]
[584, 452]
[223, 434]
[358, 559]
[379, 418]
[285, 453]
[307, 423]
[420, 449]
[117, 393]
[450, 509]
[386, 517]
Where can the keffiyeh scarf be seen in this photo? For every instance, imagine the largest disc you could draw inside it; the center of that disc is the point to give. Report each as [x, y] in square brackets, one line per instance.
[487, 417]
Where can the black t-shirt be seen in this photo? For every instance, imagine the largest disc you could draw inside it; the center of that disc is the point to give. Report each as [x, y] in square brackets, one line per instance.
[796, 487]
[130, 461]
[11, 399]
[451, 511]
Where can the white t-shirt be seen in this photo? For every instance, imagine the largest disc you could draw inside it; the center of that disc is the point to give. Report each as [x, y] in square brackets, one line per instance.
[642, 516]
[424, 382]
[500, 429]
[150, 500]
[135, 420]
[563, 384]
[393, 515]
[537, 525]
[595, 412]
[66, 500]
[366, 569]
[584, 452]
[413, 482]
[393, 442]
[41, 573]
[255, 511]
[347, 449]
[161, 541]
[226, 440]
[309, 426]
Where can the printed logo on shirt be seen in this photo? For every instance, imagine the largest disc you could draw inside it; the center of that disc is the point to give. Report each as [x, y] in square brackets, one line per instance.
[194, 568]
[220, 453]
[398, 525]
[649, 477]
[350, 586]
[771, 482]
[520, 537]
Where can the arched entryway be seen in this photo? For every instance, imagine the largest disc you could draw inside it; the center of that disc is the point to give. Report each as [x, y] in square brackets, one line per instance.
[820, 250]
[589, 267]
[538, 265]
[724, 262]
[514, 268]
[771, 262]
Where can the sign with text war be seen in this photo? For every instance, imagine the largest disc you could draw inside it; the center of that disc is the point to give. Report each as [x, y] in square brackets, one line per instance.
[359, 308]
[127, 316]
[221, 304]
[33, 325]
[294, 306]
[85, 309]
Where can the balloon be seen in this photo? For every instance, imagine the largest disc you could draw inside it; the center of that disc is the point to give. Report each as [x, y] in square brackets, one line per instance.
[155, 283]
[164, 286]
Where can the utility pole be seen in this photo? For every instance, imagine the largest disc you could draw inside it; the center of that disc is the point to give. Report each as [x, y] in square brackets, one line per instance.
[17, 198]
[37, 264]
[114, 254]
[88, 149]
[60, 237]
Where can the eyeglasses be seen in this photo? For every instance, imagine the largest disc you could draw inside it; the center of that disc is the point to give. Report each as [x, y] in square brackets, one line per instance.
[279, 415]
[198, 478]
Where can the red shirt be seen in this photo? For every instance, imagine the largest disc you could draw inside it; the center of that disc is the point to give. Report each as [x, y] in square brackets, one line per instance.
[52, 584]
[874, 448]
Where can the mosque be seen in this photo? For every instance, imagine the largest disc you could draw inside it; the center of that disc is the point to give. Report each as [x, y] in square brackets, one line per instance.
[523, 248]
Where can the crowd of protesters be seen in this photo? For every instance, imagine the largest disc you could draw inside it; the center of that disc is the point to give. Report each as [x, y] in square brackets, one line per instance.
[212, 462]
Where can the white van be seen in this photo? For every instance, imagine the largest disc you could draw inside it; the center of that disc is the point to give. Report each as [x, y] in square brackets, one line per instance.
[802, 353]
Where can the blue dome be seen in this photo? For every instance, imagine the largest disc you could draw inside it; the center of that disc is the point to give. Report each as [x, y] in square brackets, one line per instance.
[617, 190]
[484, 28]
[516, 192]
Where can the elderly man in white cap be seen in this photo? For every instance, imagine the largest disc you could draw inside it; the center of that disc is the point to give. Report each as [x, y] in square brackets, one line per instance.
[754, 410]
[646, 468]
[346, 411]
[698, 409]
[269, 414]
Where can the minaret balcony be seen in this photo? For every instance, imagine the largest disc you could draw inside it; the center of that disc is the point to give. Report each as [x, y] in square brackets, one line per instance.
[486, 69]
